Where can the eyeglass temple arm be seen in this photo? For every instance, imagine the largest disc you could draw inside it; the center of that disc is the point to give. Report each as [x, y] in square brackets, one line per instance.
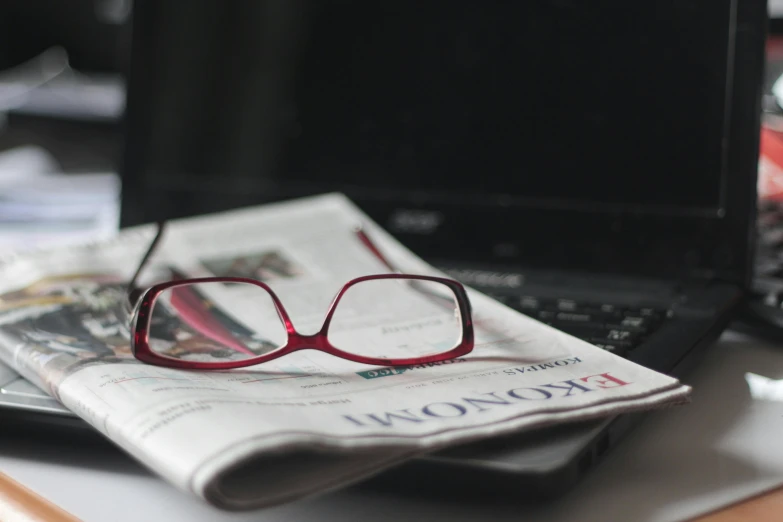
[413, 284]
[375, 250]
[134, 292]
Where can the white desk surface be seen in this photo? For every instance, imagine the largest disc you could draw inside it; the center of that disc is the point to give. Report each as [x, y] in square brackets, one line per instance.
[681, 462]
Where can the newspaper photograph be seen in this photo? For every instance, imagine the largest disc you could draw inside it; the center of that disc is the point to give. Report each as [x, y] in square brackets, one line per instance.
[308, 421]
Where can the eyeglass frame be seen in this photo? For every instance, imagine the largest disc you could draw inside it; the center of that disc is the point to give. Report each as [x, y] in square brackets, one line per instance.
[141, 302]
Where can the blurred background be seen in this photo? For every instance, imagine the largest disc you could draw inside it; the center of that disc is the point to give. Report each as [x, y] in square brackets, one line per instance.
[62, 83]
[62, 98]
[64, 71]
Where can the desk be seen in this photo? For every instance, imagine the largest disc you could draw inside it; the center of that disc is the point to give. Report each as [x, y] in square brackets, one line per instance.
[768, 506]
[680, 463]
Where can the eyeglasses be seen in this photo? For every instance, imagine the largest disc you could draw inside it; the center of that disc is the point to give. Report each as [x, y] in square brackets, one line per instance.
[219, 323]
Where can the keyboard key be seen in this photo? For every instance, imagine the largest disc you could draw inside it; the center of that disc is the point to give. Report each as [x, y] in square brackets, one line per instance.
[617, 350]
[529, 303]
[567, 305]
[648, 313]
[603, 312]
[618, 345]
[637, 325]
[633, 322]
[619, 338]
[573, 317]
[619, 335]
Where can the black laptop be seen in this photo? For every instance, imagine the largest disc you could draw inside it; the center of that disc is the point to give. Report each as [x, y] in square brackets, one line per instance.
[590, 164]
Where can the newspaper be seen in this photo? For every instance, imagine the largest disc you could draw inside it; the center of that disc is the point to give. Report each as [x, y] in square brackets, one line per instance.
[307, 422]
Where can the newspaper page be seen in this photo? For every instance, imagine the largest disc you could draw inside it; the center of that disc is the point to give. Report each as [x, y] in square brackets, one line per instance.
[306, 422]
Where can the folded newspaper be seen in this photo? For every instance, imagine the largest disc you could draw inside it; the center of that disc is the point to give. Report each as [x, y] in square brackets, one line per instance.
[306, 422]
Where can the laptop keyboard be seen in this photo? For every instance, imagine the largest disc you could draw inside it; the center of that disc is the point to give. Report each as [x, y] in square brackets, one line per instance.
[617, 329]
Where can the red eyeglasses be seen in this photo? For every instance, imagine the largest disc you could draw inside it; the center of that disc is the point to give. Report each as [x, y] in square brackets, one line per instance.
[219, 323]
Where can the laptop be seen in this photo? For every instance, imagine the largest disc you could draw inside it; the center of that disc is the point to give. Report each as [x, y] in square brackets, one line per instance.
[592, 165]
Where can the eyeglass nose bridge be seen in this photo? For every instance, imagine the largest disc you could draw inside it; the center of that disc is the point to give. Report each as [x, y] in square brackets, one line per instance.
[316, 341]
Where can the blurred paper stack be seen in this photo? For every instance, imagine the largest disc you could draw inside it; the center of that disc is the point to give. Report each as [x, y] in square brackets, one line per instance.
[39, 204]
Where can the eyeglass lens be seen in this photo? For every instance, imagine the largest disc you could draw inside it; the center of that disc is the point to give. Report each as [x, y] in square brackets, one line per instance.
[396, 319]
[215, 321]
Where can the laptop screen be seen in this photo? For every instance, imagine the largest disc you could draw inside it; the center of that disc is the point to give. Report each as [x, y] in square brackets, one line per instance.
[446, 119]
[535, 103]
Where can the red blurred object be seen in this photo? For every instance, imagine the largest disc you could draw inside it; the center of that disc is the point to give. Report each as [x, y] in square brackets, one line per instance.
[770, 184]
